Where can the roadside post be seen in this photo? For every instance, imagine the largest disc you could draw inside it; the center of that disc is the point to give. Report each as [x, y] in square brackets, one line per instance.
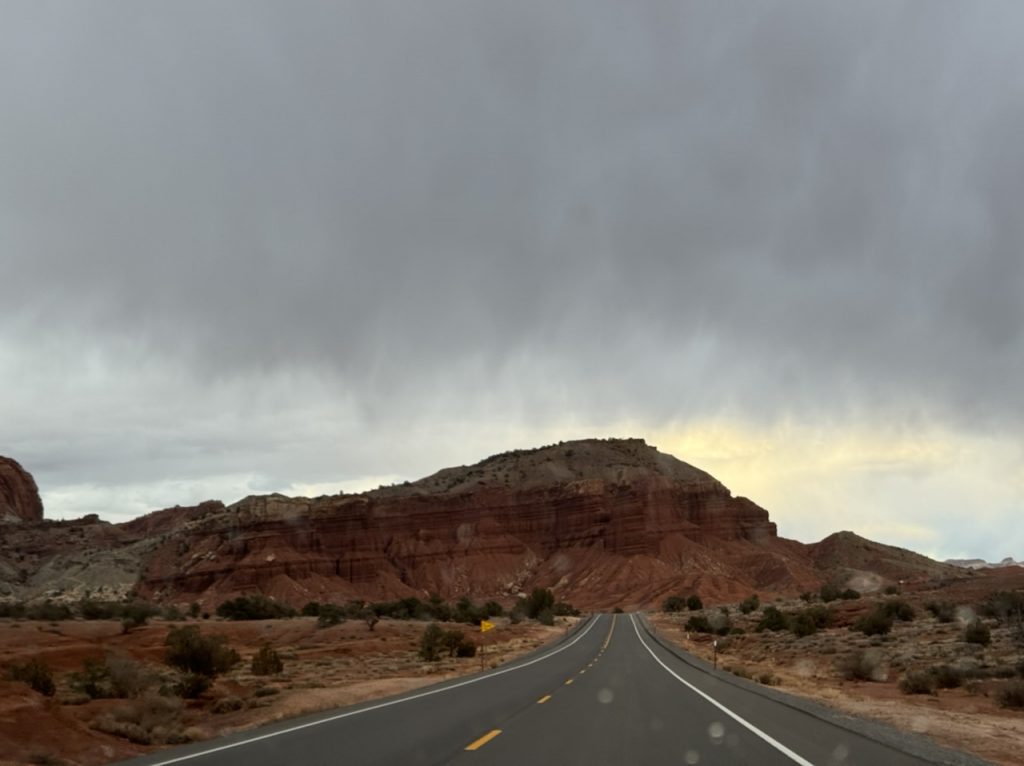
[485, 625]
[715, 644]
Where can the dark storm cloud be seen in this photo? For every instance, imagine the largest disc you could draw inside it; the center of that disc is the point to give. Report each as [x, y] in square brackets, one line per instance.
[652, 210]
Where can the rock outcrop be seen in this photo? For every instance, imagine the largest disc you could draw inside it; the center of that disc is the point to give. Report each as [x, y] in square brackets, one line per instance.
[603, 523]
[19, 496]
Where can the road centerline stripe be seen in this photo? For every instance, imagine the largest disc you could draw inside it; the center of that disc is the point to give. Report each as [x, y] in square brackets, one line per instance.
[477, 744]
[739, 719]
[543, 699]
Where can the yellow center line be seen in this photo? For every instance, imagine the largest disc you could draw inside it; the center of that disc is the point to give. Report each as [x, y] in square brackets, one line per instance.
[568, 682]
[484, 739]
[583, 671]
[543, 699]
[610, 631]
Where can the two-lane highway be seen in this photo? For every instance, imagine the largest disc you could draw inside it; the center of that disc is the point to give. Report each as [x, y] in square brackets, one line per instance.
[609, 695]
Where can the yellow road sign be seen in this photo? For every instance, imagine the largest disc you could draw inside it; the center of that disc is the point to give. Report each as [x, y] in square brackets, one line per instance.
[485, 626]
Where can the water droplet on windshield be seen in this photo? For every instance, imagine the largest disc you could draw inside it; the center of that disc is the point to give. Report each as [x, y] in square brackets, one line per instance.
[692, 757]
[605, 696]
[840, 753]
[716, 731]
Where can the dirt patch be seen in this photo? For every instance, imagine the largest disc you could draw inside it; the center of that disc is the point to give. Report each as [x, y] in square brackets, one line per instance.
[323, 669]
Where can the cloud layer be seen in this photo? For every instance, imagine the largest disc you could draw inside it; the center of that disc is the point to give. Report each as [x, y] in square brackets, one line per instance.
[261, 247]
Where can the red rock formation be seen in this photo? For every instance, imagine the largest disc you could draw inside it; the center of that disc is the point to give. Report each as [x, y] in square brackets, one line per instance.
[604, 523]
[601, 521]
[19, 496]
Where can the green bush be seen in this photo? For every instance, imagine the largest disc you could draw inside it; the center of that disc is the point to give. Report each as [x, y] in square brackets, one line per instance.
[750, 604]
[192, 685]
[256, 607]
[877, 622]
[918, 682]
[810, 620]
[12, 609]
[898, 609]
[772, 619]
[539, 600]
[891, 590]
[948, 677]
[1011, 695]
[267, 662]
[829, 592]
[136, 614]
[977, 632]
[328, 615]
[698, 623]
[93, 680]
[803, 624]
[36, 674]
[673, 604]
[89, 609]
[494, 609]
[546, 617]
[849, 594]
[191, 652]
[943, 611]
[860, 666]
[431, 642]
[468, 612]
[694, 604]
[311, 609]
[49, 612]
[457, 644]
[116, 676]
[171, 613]
[562, 609]
[617, 610]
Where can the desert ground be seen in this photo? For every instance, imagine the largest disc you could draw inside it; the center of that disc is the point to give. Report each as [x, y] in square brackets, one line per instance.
[323, 668]
[969, 717]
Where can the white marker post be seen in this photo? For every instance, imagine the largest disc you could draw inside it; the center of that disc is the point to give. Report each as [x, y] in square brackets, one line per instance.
[715, 644]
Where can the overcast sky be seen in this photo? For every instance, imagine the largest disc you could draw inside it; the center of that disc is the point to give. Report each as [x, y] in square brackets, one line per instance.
[304, 247]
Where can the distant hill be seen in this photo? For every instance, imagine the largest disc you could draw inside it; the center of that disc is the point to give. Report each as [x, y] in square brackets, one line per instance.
[604, 522]
[982, 564]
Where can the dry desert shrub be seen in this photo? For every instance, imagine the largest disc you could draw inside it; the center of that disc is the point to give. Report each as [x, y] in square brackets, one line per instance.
[918, 682]
[948, 677]
[864, 665]
[227, 705]
[148, 720]
[1011, 695]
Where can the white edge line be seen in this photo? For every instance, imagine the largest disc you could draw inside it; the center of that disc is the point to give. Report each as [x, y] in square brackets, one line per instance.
[379, 705]
[741, 721]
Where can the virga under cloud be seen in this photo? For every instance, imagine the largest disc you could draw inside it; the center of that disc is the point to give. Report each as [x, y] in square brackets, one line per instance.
[262, 246]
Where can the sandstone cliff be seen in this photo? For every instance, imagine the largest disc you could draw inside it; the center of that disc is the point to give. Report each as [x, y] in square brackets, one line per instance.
[604, 523]
[19, 496]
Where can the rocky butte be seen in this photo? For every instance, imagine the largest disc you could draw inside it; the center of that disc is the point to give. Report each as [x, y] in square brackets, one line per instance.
[19, 496]
[603, 522]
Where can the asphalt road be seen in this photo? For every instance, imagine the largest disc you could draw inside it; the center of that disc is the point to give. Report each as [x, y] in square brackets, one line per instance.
[609, 694]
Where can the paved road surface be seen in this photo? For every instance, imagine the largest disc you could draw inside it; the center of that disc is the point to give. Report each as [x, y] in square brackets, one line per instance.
[607, 695]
